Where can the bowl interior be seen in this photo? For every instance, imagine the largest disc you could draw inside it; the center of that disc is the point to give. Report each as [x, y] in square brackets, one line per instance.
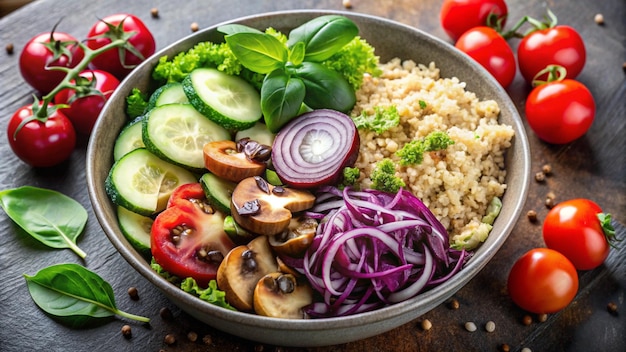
[390, 40]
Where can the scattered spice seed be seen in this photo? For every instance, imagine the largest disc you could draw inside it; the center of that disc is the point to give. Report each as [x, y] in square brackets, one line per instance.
[527, 320]
[599, 18]
[127, 331]
[207, 340]
[195, 27]
[347, 4]
[154, 12]
[165, 313]
[426, 325]
[170, 339]
[470, 326]
[526, 349]
[612, 308]
[551, 195]
[453, 304]
[504, 347]
[192, 336]
[547, 169]
[531, 215]
[540, 176]
[259, 348]
[624, 67]
[490, 326]
[9, 48]
[542, 318]
[133, 293]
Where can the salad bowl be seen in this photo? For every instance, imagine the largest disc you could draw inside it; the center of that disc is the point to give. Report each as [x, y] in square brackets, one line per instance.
[390, 39]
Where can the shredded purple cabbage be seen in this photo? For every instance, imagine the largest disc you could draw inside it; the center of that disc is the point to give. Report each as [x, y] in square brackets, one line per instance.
[374, 249]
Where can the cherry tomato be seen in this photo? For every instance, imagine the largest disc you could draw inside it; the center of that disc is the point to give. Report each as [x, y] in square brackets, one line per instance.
[560, 111]
[559, 45]
[84, 110]
[542, 281]
[41, 143]
[39, 53]
[573, 228]
[110, 61]
[490, 49]
[459, 16]
[198, 250]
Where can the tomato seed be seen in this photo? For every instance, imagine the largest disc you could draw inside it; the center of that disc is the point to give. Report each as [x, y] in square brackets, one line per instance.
[470, 326]
[133, 293]
[169, 339]
[127, 331]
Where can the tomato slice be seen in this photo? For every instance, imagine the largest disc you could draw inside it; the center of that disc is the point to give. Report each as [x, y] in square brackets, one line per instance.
[188, 241]
[187, 193]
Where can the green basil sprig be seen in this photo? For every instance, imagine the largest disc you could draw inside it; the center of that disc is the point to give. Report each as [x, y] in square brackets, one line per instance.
[50, 217]
[75, 295]
[293, 74]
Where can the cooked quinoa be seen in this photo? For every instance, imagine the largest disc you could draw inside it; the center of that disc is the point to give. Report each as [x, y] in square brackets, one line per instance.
[458, 183]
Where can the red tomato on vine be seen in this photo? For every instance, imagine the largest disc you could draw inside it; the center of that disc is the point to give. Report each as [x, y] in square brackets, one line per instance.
[458, 16]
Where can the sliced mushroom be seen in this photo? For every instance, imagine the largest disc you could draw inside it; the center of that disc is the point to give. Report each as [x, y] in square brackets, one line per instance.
[282, 295]
[265, 209]
[296, 238]
[241, 270]
[231, 161]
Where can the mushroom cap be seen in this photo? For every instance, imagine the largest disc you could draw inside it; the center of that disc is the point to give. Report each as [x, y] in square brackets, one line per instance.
[281, 295]
[223, 159]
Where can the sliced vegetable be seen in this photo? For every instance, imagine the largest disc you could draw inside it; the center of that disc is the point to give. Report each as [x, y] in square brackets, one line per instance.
[143, 183]
[265, 209]
[129, 139]
[373, 249]
[313, 149]
[178, 132]
[171, 93]
[242, 269]
[235, 161]
[296, 238]
[136, 229]
[218, 191]
[228, 100]
[259, 133]
[189, 241]
[281, 295]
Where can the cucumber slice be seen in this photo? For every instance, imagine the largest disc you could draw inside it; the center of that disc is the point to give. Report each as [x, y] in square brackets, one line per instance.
[171, 93]
[258, 133]
[136, 229]
[218, 191]
[142, 183]
[228, 100]
[129, 139]
[178, 132]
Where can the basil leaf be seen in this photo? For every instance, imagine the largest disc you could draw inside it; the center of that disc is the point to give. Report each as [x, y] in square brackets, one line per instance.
[236, 28]
[74, 294]
[325, 89]
[281, 99]
[323, 36]
[258, 52]
[52, 218]
[296, 54]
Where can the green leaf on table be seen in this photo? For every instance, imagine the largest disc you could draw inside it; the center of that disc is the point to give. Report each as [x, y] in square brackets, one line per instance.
[258, 52]
[52, 218]
[74, 294]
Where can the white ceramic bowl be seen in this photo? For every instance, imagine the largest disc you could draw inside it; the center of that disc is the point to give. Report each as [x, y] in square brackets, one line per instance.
[390, 39]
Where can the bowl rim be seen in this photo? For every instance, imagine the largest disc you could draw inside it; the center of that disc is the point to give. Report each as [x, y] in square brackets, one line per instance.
[428, 298]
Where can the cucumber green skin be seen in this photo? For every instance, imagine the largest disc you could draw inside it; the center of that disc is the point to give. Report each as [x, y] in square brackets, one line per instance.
[132, 227]
[197, 102]
[116, 193]
[214, 188]
[159, 98]
[258, 133]
[220, 133]
[129, 139]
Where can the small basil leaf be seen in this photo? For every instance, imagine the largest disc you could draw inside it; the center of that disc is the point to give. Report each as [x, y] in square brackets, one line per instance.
[323, 36]
[281, 99]
[325, 89]
[259, 52]
[296, 54]
[236, 28]
[75, 294]
[52, 218]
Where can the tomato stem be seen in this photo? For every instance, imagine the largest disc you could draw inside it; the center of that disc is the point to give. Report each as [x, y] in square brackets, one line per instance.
[550, 21]
[555, 73]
